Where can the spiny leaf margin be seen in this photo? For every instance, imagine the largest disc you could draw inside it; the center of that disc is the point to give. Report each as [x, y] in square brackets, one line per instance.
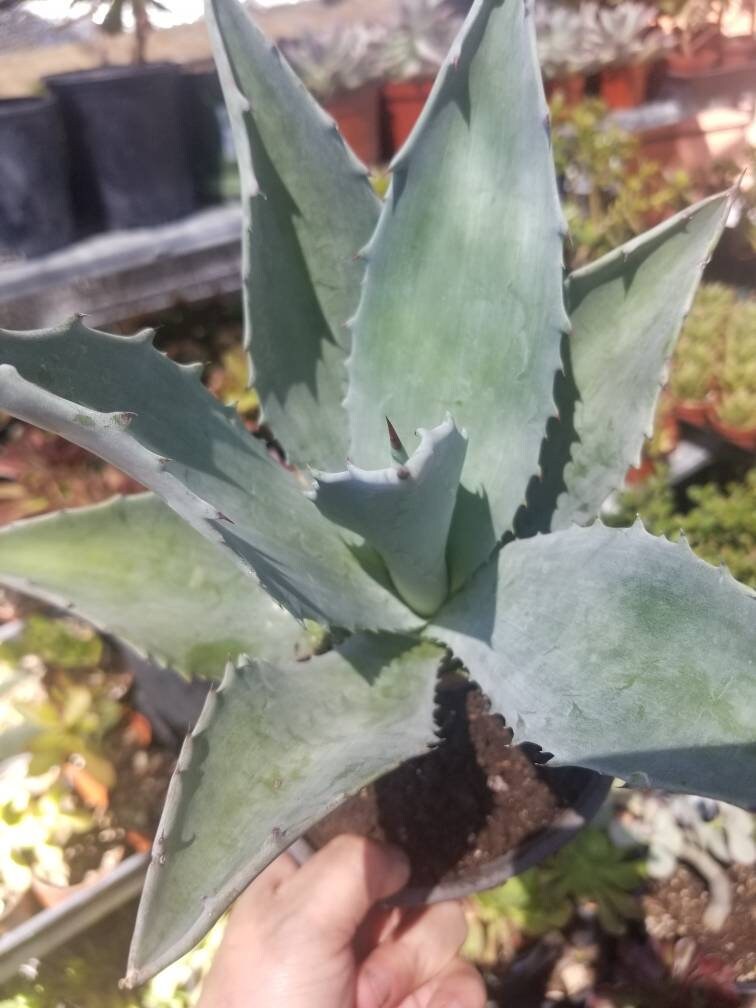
[328, 727]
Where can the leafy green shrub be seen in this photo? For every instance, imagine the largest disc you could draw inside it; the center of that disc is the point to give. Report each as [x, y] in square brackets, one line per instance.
[720, 526]
[715, 360]
[611, 192]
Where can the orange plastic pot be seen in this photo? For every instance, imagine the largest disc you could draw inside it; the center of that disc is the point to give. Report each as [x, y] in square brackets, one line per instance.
[404, 101]
[624, 86]
[694, 413]
[357, 114]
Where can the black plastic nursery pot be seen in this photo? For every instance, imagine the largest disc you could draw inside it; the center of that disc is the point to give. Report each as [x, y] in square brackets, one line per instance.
[129, 162]
[35, 202]
[207, 128]
[471, 813]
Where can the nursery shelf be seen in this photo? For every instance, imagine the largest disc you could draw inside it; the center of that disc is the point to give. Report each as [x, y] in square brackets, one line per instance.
[50, 928]
[114, 277]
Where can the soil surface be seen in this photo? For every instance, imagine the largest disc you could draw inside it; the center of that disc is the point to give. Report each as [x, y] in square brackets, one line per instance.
[472, 798]
[674, 909]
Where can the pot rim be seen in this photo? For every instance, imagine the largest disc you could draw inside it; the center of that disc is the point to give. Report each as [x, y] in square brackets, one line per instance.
[113, 73]
[24, 105]
[563, 828]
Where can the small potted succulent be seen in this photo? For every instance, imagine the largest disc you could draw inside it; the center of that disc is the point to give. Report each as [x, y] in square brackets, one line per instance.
[713, 383]
[414, 50]
[626, 40]
[564, 57]
[35, 200]
[341, 66]
[472, 558]
[129, 163]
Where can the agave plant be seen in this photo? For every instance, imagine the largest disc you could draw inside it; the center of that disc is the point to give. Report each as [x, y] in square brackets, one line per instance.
[608, 647]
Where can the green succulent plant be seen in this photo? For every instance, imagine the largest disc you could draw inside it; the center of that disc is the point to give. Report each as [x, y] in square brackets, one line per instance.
[55, 642]
[562, 40]
[589, 870]
[623, 33]
[74, 714]
[612, 192]
[682, 828]
[715, 361]
[417, 40]
[37, 819]
[720, 524]
[341, 58]
[592, 870]
[609, 648]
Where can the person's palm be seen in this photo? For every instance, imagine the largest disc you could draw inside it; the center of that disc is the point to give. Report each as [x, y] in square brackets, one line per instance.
[313, 937]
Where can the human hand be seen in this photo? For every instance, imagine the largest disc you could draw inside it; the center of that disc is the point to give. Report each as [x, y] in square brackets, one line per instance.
[314, 937]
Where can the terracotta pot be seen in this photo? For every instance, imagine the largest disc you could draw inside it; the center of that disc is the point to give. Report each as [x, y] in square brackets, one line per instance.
[624, 86]
[694, 413]
[404, 101]
[357, 114]
[591, 790]
[637, 475]
[742, 437]
[571, 88]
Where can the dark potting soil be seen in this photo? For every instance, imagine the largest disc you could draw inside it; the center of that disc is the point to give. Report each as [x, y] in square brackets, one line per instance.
[471, 799]
[675, 907]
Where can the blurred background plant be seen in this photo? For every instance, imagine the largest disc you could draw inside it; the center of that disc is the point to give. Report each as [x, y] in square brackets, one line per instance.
[625, 33]
[611, 192]
[719, 522]
[563, 48]
[340, 58]
[86, 973]
[704, 834]
[418, 39]
[115, 16]
[713, 375]
[590, 874]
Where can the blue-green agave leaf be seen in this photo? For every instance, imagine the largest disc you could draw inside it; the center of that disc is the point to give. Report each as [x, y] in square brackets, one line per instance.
[618, 651]
[274, 750]
[627, 309]
[462, 306]
[404, 511]
[135, 569]
[120, 398]
[308, 209]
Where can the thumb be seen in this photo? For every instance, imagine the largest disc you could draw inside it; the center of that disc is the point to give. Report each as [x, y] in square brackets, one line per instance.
[343, 880]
